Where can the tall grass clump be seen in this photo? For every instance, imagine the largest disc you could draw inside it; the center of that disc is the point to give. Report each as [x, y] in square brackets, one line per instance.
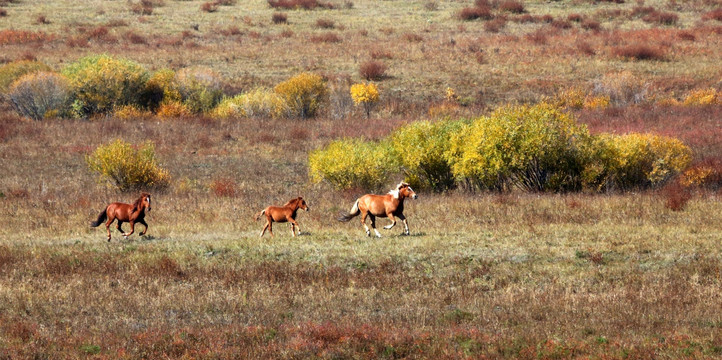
[535, 148]
[622, 88]
[40, 95]
[128, 167]
[422, 147]
[101, 83]
[10, 72]
[353, 163]
[303, 94]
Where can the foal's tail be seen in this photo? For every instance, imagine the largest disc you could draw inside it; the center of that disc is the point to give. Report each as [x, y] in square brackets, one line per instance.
[258, 216]
[103, 215]
[351, 214]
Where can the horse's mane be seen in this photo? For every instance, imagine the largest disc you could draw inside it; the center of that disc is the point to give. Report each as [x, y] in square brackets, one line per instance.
[139, 201]
[395, 192]
[292, 201]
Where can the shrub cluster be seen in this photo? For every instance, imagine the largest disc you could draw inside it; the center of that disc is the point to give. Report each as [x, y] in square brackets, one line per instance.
[127, 167]
[40, 95]
[365, 95]
[351, 163]
[101, 84]
[533, 148]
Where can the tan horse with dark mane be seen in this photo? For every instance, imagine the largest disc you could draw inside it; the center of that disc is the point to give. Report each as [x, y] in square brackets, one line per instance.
[134, 213]
[389, 205]
[285, 213]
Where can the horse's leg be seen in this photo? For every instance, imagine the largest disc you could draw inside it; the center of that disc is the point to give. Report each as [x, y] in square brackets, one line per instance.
[265, 227]
[373, 225]
[118, 226]
[132, 229]
[294, 225]
[363, 222]
[406, 224]
[107, 226]
[393, 221]
[146, 227]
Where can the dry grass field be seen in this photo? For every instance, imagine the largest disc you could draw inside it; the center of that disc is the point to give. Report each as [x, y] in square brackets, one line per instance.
[483, 275]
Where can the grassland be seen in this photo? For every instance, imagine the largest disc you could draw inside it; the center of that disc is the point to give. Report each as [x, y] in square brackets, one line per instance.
[614, 275]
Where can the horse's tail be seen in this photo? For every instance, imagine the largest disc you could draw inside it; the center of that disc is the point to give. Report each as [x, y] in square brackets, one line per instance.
[351, 214]
[258, 216]
[103, 215]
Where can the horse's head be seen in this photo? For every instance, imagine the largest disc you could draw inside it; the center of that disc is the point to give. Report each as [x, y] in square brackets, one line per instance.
[302, 204]
[404, 190]
[142, 203]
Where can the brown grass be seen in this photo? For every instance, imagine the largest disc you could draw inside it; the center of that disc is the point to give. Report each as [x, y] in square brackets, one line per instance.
[512, 6]
[474, 13]
[328, 37]
[713, 15]
[209, 7]
[325, 23]
[300, 4]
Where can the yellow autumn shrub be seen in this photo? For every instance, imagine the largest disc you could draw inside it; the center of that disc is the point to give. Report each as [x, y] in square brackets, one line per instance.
[303, 94]
[366, 95]
[703, 97]
[353, 163]
[128, 167]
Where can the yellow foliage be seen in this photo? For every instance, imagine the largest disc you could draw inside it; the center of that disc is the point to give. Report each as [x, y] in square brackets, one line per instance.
[173, 109]
[366, 95]
[130, 112]
[303, 94]
[164, 85]
[352, 163]
[11, 72]
[101, 83]
[696, 176]
[451, 95]
[596, 102]
[40, 95]
[128, 167]
[703, 97]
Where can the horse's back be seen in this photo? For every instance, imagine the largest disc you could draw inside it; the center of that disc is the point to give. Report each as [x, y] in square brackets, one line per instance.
[375, 204]
[277, 213]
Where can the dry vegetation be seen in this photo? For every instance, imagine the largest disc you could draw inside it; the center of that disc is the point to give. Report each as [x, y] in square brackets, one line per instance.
[620, 275]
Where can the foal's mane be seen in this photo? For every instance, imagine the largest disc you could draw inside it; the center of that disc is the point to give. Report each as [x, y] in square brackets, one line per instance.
[292, 201]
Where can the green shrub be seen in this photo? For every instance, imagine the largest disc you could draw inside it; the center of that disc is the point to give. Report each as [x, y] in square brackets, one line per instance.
[303, 94]
[127, 167]
[636, 161]
[353, 163]
[422, 147]
[40, 95]
[200, 89]
[11, 72]
[535, 148]
[101, 83]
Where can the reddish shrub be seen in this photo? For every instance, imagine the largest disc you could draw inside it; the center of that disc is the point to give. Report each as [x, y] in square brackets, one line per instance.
[412, 37]
[585, 48]
[141, 8]
[326, 37]
[686, 35]
[42, 20]
[512, 6]
[589, 24]
[134, 38]
[639, 52]
[231, 30]
[537, 37]
[526, 18]
[639, 11]
[494, 26]
[713, 15]
[575, 17]
[546, 18]
[325, 24]
[18, 37]
[473, 13]
[381, 54]
[279, 18]
[561, 24]
[299, 4]
[209, 7]
[664, 18]
[372, 70]
[224, 187]
[3, 12]
[676, 196]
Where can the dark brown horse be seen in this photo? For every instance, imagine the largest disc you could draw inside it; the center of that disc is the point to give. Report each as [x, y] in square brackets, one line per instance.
[134, 213]
[285, 213]
[389, 205]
